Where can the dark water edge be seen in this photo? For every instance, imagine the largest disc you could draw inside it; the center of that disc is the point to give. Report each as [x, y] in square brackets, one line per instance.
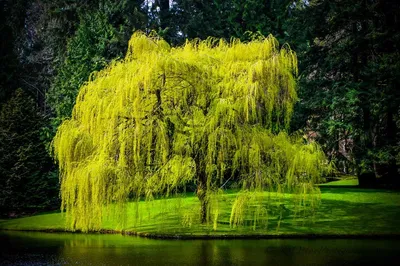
[35, 248]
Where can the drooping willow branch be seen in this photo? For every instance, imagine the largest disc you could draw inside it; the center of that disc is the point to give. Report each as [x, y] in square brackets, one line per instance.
[164, 116]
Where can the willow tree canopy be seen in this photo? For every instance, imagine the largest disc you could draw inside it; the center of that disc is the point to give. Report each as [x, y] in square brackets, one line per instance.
[165, 116]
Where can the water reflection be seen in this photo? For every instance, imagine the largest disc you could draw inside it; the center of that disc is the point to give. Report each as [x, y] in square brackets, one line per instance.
[22, 248]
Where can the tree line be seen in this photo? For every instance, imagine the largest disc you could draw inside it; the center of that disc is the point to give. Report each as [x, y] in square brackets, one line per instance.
[349, 74]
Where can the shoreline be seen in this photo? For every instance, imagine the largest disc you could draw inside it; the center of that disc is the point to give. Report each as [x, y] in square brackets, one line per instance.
[161, 236]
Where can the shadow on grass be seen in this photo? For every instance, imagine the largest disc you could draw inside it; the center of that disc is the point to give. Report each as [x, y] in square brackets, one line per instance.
[333, 217]
[342, 217]
[343, 211]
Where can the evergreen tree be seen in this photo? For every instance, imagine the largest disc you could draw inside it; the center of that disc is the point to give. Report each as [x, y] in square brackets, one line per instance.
[101, 36]
[11, 24]
[349, 65]
[26, 179]
[223, 19]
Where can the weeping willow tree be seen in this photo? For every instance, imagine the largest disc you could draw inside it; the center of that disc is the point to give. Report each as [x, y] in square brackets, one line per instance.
[206, 112]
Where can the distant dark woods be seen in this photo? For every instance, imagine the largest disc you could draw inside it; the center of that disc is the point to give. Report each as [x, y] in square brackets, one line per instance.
[349, 62]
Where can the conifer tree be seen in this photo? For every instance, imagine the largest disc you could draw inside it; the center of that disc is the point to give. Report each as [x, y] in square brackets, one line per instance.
[25, 167]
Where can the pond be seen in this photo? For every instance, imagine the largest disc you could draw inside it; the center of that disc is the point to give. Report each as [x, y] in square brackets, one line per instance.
[33, 248]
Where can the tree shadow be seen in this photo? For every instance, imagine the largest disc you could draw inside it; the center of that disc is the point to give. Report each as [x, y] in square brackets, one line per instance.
[343, 217]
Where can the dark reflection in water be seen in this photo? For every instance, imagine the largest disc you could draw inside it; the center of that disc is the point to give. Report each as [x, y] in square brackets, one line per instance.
[23, 248]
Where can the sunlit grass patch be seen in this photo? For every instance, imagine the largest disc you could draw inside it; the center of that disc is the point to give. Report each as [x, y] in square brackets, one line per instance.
[342, 182]
[343, 211]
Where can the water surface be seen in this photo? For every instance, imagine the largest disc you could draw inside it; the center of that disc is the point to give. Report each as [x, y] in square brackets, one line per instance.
[33, 248]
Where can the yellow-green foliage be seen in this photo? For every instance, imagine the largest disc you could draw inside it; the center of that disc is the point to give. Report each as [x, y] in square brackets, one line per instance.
[164, 116]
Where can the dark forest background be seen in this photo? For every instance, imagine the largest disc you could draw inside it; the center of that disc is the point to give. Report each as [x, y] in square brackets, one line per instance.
[348, 84]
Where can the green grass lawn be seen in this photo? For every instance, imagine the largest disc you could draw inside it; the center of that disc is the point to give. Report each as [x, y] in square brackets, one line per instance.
[343, 182]
[345, 209]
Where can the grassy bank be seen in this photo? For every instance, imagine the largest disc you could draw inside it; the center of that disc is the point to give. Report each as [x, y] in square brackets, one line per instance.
[345, 210]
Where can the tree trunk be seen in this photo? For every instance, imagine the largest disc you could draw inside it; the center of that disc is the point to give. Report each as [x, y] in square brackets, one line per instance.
[367, 176]
[202, 195]
[164, 13]
[389, 170]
